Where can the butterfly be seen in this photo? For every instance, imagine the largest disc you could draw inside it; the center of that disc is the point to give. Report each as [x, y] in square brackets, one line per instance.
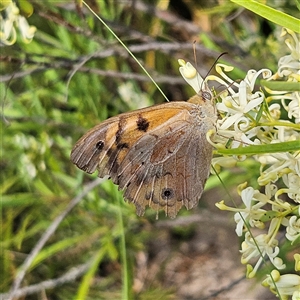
[159, 155]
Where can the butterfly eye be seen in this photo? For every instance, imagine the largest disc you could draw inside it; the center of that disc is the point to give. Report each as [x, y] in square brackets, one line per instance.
[99, 145]
[167, 194]
[206, 95]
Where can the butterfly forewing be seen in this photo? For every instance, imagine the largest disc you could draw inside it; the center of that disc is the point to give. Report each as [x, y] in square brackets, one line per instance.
[99, 146]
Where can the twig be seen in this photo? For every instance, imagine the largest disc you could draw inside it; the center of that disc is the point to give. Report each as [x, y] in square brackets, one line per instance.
[166, 16]
[76, 272]
[224, 289]
[21, 74]
[172, 80]
[177, 22]
[61, 62]
[47, 234]
[70, 276]
[73, 72]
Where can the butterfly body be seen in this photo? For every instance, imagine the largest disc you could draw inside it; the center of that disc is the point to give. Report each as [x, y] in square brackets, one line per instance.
[158, 155]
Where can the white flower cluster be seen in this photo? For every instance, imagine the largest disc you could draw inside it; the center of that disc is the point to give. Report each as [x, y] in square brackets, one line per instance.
[10, 19]
[251, 118]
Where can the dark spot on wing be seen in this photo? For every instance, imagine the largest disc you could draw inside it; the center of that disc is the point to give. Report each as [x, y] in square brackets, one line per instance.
[142, 124]
[118, 135]
[128, 184]
[122, 146]
[109, 152]
[114, 165]
[120, 131]
[99, 145]
[148, 195]
[167, 193]
[113, 154]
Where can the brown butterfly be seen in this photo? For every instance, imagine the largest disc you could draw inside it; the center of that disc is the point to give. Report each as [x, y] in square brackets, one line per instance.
[158, 155]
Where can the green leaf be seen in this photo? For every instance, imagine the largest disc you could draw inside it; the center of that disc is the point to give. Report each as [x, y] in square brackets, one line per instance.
[260, 149]
[281, 85]
[88, 277]
[57, 248]
[19, 199]
[271, 14]
[7, 184]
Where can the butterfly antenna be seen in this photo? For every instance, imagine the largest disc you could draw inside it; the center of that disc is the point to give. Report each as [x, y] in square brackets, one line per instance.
[215, 63]
[195, 55]
[210, 67]
[195, 60]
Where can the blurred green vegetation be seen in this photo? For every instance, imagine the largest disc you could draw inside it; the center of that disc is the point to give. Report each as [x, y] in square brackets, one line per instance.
[73, 75]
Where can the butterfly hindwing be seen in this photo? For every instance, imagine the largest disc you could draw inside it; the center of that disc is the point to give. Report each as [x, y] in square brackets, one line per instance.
[146, 173]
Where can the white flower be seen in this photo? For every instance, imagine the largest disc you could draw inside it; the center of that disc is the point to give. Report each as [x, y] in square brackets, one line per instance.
[8, 33]
[13, 19]
[293, 107]
[296, 295]
[290, 64]
[282, 163]
[275, 111]
[293, 229]
[252, 212]
[190, 75]
[26, 30]
[242, 108]
[292, 181]
[237, 106]
[284, 285]
[222, 161]
[261, 246]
